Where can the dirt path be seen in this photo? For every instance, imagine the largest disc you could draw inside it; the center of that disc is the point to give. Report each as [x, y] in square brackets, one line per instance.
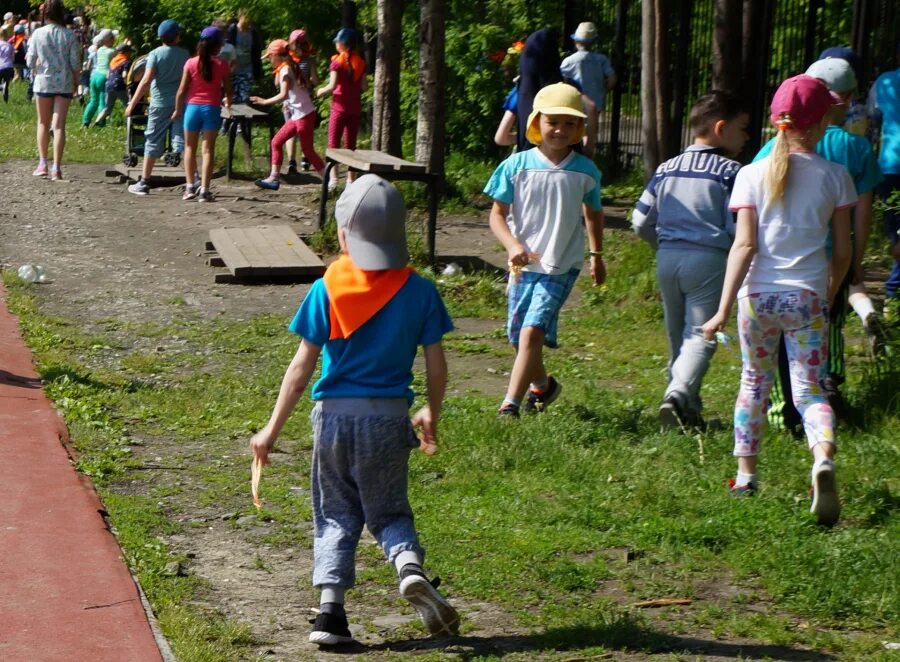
[112, 255]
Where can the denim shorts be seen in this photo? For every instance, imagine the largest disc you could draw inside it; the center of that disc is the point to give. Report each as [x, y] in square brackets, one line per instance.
[202, 118]
[535, 300]
[159, 120]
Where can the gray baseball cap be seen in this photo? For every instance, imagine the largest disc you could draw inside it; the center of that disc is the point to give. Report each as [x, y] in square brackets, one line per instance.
[373, 215]
[836, 73]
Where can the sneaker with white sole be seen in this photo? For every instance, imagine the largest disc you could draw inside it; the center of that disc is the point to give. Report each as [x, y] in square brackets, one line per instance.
[439, 617]
[205, 196]
[825, 503]
[670, 415]
[140, 187]
[190, 192]
[42, 170]
[330, 630]
[538, 401]
[56, 175]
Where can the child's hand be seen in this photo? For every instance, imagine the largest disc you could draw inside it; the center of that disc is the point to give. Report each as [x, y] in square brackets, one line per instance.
[261, 443]
[427, 427]
[259, 101]
[517, 255]
[176, 114]
[128, 111]
[598, 269]
[717, 323]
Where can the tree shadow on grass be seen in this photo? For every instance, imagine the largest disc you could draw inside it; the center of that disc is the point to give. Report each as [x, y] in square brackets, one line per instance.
[623, 636]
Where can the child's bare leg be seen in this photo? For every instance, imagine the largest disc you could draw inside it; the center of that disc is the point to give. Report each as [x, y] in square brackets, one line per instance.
[209, 153]
[191, 138]
[529, 364]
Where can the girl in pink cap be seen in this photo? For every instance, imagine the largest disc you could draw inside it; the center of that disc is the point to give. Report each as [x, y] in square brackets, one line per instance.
[300, 115]
[346, 82]
[781, 274]
[302, 53]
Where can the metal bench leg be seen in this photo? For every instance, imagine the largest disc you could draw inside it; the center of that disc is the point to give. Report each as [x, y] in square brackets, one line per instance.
[323, 198]
[232, 135]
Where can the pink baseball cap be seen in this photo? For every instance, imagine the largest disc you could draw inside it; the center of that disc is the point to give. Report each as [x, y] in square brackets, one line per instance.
[297, 35]
[804, 98]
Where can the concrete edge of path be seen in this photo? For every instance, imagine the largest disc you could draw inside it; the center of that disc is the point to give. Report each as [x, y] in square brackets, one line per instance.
[67, 591]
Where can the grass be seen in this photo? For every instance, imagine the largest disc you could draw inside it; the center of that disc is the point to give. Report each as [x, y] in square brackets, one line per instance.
[561, 520]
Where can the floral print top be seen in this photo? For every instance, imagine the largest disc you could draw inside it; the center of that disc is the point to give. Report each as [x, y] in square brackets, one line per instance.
[54, 56]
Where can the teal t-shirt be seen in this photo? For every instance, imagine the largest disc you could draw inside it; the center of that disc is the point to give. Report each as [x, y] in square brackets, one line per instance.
[167, 63]
[376, 360]
[849, 150]
[104, 55]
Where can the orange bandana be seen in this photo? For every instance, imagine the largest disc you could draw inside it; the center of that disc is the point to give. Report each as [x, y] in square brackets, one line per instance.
[118, 59]
[355, 296]
[353, 63]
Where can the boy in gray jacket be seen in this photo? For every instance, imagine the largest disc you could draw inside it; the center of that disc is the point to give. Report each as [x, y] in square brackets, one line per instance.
[683, 213]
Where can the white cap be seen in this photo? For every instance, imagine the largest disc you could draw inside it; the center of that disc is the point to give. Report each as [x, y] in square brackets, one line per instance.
[8, 16]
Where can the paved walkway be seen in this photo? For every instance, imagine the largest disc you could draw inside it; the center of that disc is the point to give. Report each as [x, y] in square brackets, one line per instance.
[65, 591]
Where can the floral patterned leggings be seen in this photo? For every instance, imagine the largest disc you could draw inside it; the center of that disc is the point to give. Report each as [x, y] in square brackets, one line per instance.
[762, 318]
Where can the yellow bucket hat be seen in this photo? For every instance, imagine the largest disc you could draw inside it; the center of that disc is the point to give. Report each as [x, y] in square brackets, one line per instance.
[556, 99]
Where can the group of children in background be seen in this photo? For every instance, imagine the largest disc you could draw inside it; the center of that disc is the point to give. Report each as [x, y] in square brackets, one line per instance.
[784, 237]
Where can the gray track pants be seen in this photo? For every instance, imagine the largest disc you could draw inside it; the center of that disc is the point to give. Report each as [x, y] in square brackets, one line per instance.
[691, 284]
[359, 476]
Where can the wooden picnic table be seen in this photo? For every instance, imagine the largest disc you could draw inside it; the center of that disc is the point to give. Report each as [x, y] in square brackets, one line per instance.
[243, 116]
[391, 168]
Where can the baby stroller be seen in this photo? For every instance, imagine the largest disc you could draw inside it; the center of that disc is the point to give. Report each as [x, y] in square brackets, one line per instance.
[136, 124]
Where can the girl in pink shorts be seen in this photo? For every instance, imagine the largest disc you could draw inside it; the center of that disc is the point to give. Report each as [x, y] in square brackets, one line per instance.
[293, 88]
[346, 82]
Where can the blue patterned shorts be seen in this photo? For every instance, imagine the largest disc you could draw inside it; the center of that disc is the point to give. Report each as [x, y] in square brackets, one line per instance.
[535, 300]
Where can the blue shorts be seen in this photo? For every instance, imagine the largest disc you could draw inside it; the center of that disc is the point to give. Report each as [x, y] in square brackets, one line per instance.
[159, 121]
[535, 300]
[202, 118]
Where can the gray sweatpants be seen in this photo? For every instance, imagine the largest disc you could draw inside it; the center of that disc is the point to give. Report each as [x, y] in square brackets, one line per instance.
[361, 452]
[690, 282]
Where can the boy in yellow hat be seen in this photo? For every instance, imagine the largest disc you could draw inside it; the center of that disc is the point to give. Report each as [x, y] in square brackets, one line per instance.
[540, 196]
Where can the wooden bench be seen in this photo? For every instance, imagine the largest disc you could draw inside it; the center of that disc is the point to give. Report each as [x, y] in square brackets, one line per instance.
[391, 168]
[243, 116]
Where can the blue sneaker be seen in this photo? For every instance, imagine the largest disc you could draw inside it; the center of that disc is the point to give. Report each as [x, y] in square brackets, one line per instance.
[268, 184]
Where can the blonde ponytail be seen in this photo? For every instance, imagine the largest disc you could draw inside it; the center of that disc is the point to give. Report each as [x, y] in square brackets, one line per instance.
[779, 160]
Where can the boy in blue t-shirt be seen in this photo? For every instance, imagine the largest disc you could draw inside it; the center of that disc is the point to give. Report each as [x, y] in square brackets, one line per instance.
[162, 76]
[366, 316]
[540, 196]
[684, 214]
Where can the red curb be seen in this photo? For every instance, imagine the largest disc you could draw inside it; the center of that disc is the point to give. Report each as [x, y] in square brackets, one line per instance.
[65, 590]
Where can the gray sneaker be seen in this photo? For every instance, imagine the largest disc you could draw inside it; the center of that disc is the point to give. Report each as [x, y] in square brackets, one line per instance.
[825, 503]
[205, 196]
[140, 187]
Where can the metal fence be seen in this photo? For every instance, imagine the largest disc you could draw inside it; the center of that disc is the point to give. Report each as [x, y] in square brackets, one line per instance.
[797, 32]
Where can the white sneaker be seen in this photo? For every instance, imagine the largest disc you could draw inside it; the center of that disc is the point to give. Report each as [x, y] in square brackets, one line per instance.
[825, 503]
[436, 613]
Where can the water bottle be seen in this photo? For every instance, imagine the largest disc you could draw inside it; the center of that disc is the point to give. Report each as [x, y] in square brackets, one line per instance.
[28, 273]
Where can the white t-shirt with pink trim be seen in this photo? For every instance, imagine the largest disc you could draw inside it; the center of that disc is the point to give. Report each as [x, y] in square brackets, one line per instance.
[298, 104]
[791, 233]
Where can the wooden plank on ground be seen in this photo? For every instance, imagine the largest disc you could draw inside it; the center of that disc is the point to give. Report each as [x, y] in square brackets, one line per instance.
[265, 251]
[162, 174]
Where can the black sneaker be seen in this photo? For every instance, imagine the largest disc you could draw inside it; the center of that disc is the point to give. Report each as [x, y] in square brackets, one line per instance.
[670, 416]
[304, 164]
[439, 617]
[508, 411]
[745, 490]
[330, 630]
[538, 401]
[292, 167]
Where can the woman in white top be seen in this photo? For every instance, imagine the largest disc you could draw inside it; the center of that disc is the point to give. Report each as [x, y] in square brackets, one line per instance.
[54, 56]
[293, 90]
[784, 281]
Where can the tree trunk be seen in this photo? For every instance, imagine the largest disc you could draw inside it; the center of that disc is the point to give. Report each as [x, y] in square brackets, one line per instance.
[430, 128]
[727, 42]
[648, 88]
[386, 103]
[348, 14]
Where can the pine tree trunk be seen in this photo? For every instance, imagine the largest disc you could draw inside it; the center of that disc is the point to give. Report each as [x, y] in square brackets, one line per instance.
[386, 102]
[727, 45]
[648, 88]
[430, 128]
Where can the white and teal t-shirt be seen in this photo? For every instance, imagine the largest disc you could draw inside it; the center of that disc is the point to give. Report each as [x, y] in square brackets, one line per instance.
[546, 212]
